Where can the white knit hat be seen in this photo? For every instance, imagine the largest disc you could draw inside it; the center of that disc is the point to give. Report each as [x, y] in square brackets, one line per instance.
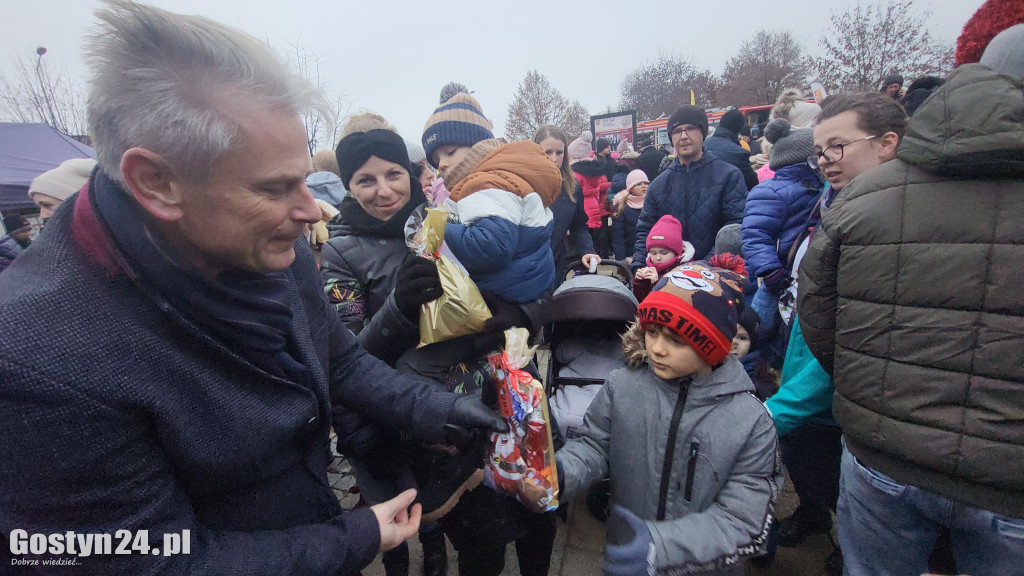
[64, 180]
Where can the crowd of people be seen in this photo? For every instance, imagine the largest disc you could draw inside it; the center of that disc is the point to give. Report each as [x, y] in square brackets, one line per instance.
[831, 293]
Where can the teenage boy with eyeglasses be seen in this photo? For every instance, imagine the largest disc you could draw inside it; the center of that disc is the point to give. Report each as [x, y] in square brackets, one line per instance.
[910, 296]
[700, 190]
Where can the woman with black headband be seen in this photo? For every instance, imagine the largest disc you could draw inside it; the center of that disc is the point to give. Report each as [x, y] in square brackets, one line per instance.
[377, 286]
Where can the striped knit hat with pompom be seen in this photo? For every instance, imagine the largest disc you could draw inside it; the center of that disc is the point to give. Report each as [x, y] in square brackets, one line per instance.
[459, 121]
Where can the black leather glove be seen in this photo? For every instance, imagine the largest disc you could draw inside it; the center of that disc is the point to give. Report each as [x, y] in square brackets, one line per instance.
[471, 413]
[504, 314]
[484, 344]
[416, 284]
[777, 281]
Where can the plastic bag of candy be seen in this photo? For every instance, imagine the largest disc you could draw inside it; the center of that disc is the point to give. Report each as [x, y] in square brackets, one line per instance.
[522, 460]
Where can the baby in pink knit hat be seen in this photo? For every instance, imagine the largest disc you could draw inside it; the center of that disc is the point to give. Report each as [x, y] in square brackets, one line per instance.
[666, 249]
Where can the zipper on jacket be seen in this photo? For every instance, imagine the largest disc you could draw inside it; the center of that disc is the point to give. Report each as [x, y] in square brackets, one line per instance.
[670, 448]
[691, 468]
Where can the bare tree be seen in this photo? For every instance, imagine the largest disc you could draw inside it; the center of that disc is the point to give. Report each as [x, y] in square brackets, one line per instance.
[575, 120]
[323, 124]
[868, 42]
[766, 65]
[31, 92]
[661, 87]
[536, 102]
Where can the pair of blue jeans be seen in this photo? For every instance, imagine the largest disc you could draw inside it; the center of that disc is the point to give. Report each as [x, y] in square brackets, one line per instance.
[887, 528]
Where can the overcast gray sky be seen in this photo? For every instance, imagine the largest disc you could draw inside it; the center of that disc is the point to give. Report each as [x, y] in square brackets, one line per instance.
[393, 57]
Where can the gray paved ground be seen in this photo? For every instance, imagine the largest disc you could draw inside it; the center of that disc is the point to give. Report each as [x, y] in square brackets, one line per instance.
[579, 542]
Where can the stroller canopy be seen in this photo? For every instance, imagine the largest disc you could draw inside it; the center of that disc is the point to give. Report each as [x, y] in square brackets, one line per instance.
[593, 297]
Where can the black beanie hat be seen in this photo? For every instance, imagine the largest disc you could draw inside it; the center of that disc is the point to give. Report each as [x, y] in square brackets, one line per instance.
[892, 79]
[355, 149]
[14, 222]
[733, 120]
[751, 323]
[689, 114]
[601, 144]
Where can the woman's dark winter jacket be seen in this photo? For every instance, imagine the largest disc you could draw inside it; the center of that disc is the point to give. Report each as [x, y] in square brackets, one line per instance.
[359, 264]
[776, 214]
[725, 144]
[607, 164]
[649, 161]
[704, 196]
[126, 413]
[618, 180]
[624, 232]
[910, 296]
[569, 224]
[9, 250]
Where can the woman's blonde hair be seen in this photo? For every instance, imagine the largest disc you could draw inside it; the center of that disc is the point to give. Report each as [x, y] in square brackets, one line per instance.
[364, 122]
[568, 178]
[326, 161]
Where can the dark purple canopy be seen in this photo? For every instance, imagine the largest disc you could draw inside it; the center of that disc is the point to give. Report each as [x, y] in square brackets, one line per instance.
[28, 150]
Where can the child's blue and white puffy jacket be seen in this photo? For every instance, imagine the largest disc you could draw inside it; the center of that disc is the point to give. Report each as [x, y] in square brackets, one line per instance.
[503, 237]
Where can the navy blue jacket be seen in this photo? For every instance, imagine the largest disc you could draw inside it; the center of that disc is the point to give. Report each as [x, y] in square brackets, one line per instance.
[704, 196]
[725, 144]
[569, 224]
[776, 213]
[9, 250]
[624, 232]
[118, 412]
[649, 160]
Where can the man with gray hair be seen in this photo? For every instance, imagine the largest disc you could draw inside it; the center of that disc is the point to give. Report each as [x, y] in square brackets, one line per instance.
[170, 366]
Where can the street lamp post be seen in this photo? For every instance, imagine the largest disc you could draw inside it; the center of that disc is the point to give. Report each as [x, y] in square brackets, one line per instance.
[43, 86]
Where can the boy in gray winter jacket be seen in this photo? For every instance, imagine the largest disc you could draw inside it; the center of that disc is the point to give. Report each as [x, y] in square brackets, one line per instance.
[691, 452]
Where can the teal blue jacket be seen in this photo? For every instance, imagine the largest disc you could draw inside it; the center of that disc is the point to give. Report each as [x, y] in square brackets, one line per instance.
[805, 393]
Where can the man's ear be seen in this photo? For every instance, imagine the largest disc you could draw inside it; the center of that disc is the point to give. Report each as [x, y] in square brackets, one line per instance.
[890, 141]
[150, 181]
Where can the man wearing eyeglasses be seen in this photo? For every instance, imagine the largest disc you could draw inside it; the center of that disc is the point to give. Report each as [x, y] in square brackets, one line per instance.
[699, 189]
[910, 296]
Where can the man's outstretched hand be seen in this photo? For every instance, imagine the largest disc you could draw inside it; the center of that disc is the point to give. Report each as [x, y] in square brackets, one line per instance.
[397, 521]
[471, 413]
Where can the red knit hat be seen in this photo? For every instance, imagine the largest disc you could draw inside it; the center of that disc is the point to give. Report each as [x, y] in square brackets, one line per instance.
[698, 302]
[992, 18]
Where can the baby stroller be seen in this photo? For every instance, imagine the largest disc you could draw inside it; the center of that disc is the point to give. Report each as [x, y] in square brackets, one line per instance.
[587, 315]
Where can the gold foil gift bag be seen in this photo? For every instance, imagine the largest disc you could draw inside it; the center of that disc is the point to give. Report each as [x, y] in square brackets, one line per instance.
[461, 309]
